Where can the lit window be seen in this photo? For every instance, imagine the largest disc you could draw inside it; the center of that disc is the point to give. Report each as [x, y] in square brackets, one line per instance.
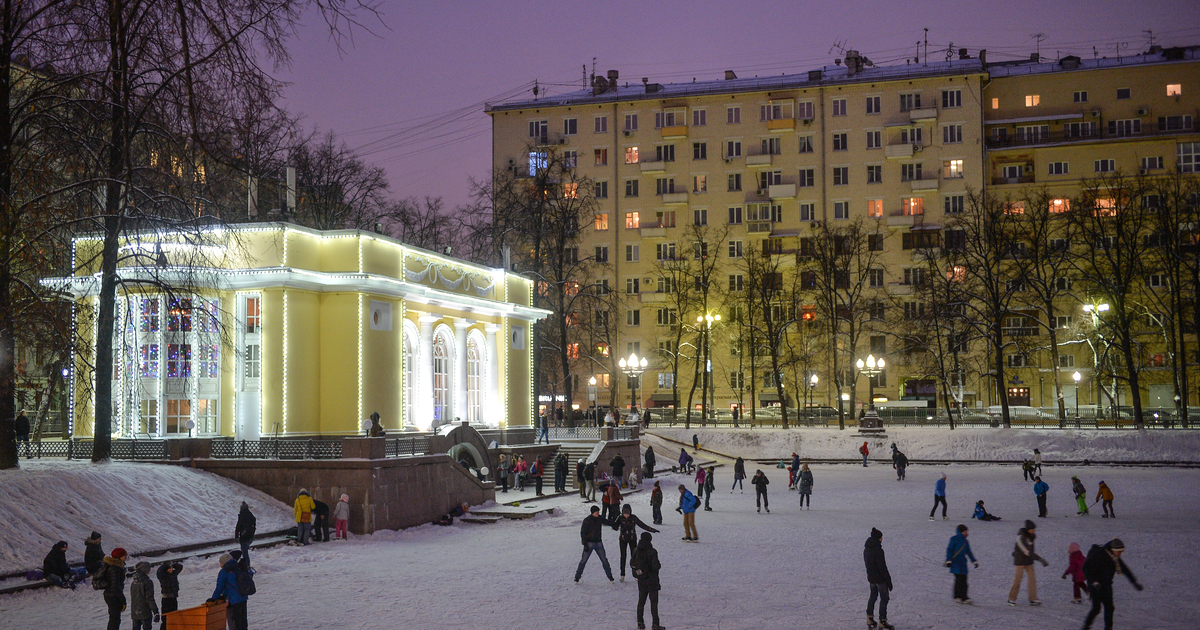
[601, 157]
[995, 103]
[570, 191]
[1060, 205]
[1106, 207]
[913, 206]
[602, 221]
[631, 155]
[179, 360]
[1033, 100]
[875, 208]
[632, 222]
[150, 319]
[952, 168]
[956, 273]
[1014, 207]
[253, 316]
[148, 365]
[1174, 89]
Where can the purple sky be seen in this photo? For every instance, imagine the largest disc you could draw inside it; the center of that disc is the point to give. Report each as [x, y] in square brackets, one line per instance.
[410, 97]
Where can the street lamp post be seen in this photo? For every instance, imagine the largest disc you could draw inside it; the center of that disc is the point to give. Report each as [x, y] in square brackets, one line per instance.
[812, 393]
[633, 368]
[871, 368]
[1076, 377]
[705, 323]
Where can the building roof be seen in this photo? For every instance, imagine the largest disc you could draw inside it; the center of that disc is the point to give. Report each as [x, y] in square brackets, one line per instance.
[1070, 63]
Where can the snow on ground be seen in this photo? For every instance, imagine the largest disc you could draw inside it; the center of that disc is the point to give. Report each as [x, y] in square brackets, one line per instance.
[140, 507]
[788, 568]
[942, 443]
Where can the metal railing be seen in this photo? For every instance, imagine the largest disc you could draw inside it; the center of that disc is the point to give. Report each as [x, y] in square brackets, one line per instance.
[131, 450]
[397, 447]
[569, 434]
[623, 433]
[277, 449]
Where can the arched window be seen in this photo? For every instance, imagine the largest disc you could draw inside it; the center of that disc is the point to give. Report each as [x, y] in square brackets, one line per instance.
[474, 380]
[410, 378]
[441, 377]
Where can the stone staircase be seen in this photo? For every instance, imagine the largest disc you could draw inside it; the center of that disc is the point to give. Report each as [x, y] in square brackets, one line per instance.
[574, 451]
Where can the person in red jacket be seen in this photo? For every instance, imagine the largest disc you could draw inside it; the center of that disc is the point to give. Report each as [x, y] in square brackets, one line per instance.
[535, 471]
[865, 451]
[1075, 570]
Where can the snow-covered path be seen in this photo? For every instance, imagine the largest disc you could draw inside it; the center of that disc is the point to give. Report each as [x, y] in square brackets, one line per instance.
[785, 569]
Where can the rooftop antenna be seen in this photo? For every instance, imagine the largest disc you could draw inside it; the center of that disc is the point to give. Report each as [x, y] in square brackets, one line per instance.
[535, 89]
[950, 51]
[926, 47]
[1039, 37]
[1150, 35]
[584, 66]
[838, 45]
[1117, 47]
[593, 66]
[1095, 54]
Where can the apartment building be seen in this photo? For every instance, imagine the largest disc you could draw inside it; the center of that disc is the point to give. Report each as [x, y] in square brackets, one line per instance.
[770, 160]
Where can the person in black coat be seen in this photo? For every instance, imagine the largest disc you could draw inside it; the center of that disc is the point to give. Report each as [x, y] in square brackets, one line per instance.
[55, 568]
[590, 535]
[1102, 565]
[112, 574]
[168, 585]
[760, 482]
[618, 469]
[320, 522]
[649, 463]
[22, 431]
[560, 473]
[93, 554]
[245, 528]
[627, 524]
[645, 567]
[878, 577]
[579, 478]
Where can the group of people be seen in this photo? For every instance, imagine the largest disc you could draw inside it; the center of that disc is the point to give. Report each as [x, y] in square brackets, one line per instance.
[110, 572]
[313, 516]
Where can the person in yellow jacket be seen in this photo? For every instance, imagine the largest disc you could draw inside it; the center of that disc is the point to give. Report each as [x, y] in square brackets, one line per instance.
[304, 511]
[1106, 494]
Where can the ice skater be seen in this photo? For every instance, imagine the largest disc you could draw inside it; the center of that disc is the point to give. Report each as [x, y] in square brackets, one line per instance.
[1023, 557]
[760, 482]
[982, 514]
[957, 553]
[806, 485]
[687, 507]
[590, 534]
[1080, 495]
[793, 470]
[1101, 566]
[1075, 561]
[1037, 460]
[710, 484]
[627, 525]
[899, 462]
[1040, 489]
[939, 496]
[879, 579]
[656, 499]
[645, 567]
[864, 451]
[701, 472]
[739, 473]
[1106, 494]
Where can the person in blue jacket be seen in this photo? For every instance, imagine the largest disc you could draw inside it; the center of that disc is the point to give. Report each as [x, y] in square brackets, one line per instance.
[227, 589]
[687, 507]
[1040, 489]
[939, 496]
[982, 514]
[957, 553]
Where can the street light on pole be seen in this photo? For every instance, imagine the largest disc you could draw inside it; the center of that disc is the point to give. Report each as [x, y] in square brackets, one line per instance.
[1076, 377]
[633, 368]
[872, 367]
[812, 391]
[705, 323]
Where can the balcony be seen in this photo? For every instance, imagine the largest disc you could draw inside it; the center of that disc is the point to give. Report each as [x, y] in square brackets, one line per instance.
[899, 288]
[758, 226]
[653, 298]
[674, 132]
[758, 160]
[1024, 179]
[675, 198]
[653, 166]
[781, 191]
[896, 219]
[1021, 331]
[651, 230]
[922, 114]
[928, 181]
[898, 150]
[1149, 129]
[781, 124]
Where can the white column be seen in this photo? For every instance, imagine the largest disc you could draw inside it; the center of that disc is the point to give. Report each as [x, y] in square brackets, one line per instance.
[491, 383]
[423, 371]
[460, 368]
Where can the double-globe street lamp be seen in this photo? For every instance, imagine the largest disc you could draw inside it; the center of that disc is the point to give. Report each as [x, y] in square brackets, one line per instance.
[705, 324]
[870, 368]
[633, 368]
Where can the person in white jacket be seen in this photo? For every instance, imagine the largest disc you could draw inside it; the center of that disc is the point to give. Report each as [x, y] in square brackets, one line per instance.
[341, 517]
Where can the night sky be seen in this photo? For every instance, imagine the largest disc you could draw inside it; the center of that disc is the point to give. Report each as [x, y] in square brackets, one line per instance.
[409, 96]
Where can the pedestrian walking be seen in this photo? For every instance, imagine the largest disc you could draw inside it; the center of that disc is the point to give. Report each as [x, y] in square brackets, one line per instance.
[701, 472]
[1040, 489]
[502, 474]
[580, 480]
[21, 426]
[617, 464]
[560, 472]
[684, 458]
[1080, 495]
[143, 609]
[982, 514]
[695, 443]
[304, 506]
[1075, 562]
[760, 483]
[627, 537]
[806, 486]
[645, 567]
[1037, 460]
[590, 535]
[589, 477]
[1105, 493]
[864, 451]
[939, 496]
[341, 518]
[739, 473]
[793, 470]
[1023, 557]
[656, 501]
[899, 462]
[320, 530]
[687, 507]
[710, 483]
[879, 579]
[544, 434]
[245, 528]
[649, 472]
[536, 471]
[227, 589]
[957, 554]
[1100, 567]
[110, 578]
[168, 587]
[93, 553]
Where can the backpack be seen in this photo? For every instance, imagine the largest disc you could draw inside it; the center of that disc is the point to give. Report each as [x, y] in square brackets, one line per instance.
[100, 579]
[244, 574]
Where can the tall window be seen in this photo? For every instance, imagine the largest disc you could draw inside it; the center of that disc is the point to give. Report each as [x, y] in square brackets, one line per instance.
[148, 361]
[207, 416]
[148, 417]
[410, 377]
[441, 377]
[253, 316]
[179, 360]
[179, 411]
[149, 315]
[179, 315]
[474, 380]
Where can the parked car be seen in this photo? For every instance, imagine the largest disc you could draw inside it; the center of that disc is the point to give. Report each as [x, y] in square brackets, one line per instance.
[1020, 414]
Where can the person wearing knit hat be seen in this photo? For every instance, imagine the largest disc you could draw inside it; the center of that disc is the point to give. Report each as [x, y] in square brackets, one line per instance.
[142, 607]
[93, 553]
[1101, 566]
[957, 553]
[111, 578]
[1105, 493]
[341, 517]
[245, 528]
[1075, 561]
[1023, 557]
[304, 507]
[878, 578]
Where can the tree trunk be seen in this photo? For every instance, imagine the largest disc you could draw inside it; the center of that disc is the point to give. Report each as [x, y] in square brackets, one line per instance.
[8, 375]
[998, 350]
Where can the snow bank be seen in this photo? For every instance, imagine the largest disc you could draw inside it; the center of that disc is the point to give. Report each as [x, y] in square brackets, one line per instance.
[942, 443]
[140, 507]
